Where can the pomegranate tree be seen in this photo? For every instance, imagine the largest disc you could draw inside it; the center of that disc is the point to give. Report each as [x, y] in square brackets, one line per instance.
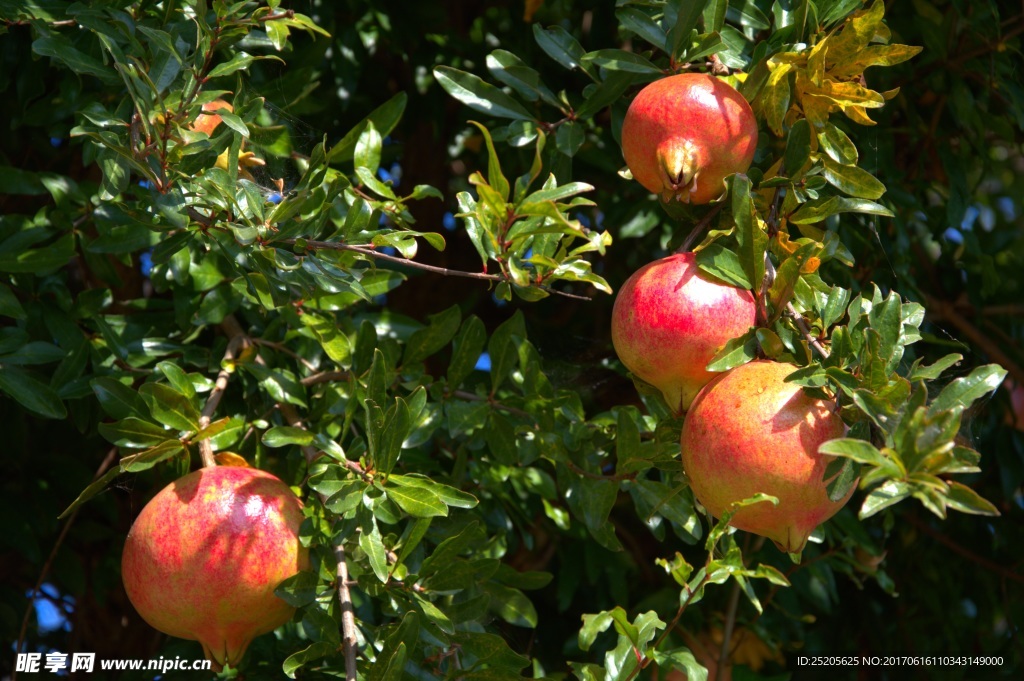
[204, 556]
[669, 321]
[750, 431]
[683, 135]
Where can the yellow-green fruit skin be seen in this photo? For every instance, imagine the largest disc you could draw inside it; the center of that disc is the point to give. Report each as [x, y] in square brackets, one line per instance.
[750, 431]
[204, 556]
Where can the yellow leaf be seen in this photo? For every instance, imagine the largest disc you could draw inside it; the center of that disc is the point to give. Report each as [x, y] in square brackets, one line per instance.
[775, 96]
[231, 459]
[875, 55]
[858, 114]
[816, 63]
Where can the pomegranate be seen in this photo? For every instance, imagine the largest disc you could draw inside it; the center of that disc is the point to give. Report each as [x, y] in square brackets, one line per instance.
[203, 558]
[749, 431]
[683, 135]
[208, 122]
[669, 321]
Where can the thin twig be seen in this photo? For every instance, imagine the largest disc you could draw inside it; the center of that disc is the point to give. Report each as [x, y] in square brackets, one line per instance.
[235, 345]
[107, 462]
[286, 350]
[801, 324]
[326, 377]
[699, 228]
[371, 252]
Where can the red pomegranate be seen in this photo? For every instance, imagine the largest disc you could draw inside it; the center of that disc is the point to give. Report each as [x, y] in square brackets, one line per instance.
[683, 135]
[749, 431]
[669, 321]
[208, 120]
[203, 558]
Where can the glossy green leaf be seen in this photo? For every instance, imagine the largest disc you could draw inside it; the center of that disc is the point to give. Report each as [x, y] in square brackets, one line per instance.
[170, 407]
[479, 95]
[31, 393]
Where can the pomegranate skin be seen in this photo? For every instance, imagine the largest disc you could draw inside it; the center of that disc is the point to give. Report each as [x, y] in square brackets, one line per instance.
[203, 558]
[749, 431]
[208, 122]
[683, 135]
[669, 321]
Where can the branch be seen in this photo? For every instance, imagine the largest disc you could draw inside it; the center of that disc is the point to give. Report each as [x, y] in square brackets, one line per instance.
[699, 228]
[104, 465]
[801, 324]
[348, 619]
[237, 342]
[371, 252]
[326, 377]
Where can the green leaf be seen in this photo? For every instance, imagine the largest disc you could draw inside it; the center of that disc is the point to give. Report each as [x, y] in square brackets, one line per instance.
[61, 49]
[384, 118]
[31, 393]
[679, 20]
[388, 444]
[511, 605]
[92, 490]
[837, 145]
[479, 95]
[734, 353]
[513, 71]
[416, 501]
[751, 240]
[503, 350]
[819, 209]
[239, 62]
[446, 493]
[372, 544]
[620, 60]
[299, 589]
[932, 371]
[892, 492]
[798, 149]
[635, 20]
[368, 146]
[282, 436]
[561, 47]
[962, 392]
[177, 377]
[860, 451]
[169, 406]
[117, 399]
[311, 653]
[426, 341]
[152, 456]
[714, 14]
[852, 180]
[134, 432]
[724, 265]
[37, 260]
[466, 350]
[336, 344]
[964, 499]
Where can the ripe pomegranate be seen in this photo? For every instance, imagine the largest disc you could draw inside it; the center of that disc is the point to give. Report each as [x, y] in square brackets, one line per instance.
[203, 558]
[669, 321]
[749, 431]
[683, 135]
[208, 122]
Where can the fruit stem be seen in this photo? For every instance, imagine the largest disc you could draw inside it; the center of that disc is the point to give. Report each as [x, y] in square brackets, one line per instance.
[698, 229]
